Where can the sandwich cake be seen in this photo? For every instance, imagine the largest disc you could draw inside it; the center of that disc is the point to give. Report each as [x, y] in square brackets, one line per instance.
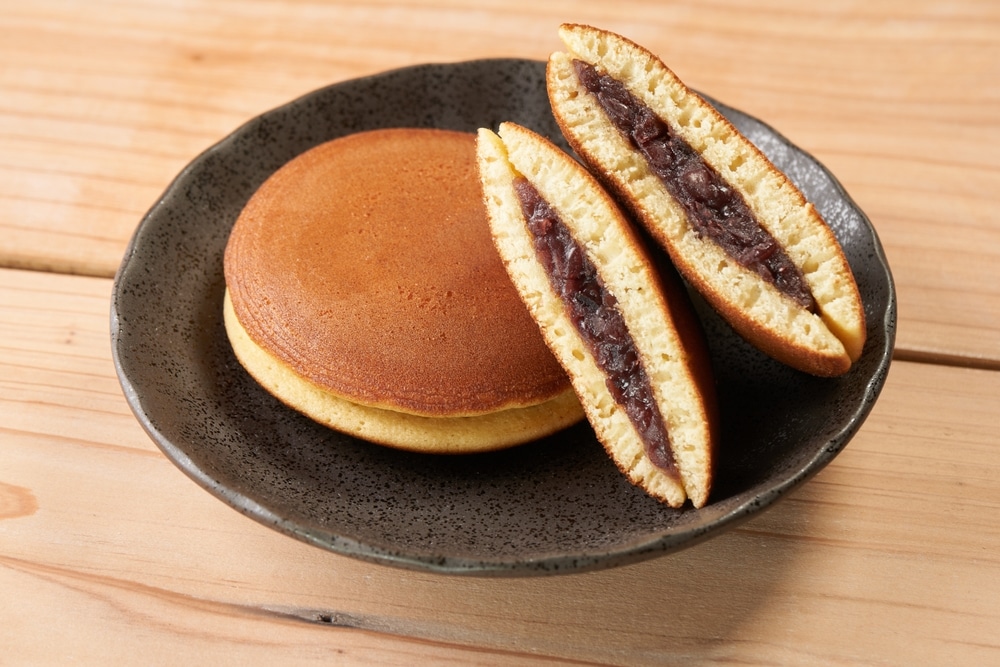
[622, 328]
[735, 227]
[363, 290]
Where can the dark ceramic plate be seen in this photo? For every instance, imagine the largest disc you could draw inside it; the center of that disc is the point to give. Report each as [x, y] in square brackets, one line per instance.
[554, 505]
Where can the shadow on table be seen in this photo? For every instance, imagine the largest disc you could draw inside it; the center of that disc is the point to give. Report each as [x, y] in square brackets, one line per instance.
[678, 607]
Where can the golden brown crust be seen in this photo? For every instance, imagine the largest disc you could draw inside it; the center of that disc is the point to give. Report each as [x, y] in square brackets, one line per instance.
[823, 345]
[665, 330]
[366, 265]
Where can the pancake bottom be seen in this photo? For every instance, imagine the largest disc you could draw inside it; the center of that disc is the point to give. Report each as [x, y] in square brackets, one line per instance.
[445, 435]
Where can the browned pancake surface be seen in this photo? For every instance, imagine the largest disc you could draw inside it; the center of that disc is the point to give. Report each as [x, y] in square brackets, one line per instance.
[366, 265]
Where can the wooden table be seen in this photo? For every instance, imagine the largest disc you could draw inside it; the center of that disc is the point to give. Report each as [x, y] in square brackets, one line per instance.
[109, 554]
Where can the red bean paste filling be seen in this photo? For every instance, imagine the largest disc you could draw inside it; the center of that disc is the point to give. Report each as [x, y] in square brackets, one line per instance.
[593, 311]
[715, 209]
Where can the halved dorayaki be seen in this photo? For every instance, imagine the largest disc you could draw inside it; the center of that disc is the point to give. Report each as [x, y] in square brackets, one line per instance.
[735, 226]
[623, 330]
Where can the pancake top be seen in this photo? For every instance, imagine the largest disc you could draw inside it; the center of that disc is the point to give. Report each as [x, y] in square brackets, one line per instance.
[366, 265]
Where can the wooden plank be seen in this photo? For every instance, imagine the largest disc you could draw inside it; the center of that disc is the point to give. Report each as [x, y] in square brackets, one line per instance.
[92, 567]
[890, 555]
[104, 102]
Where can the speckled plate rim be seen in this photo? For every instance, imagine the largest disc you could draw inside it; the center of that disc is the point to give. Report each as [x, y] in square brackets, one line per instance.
[584, 560]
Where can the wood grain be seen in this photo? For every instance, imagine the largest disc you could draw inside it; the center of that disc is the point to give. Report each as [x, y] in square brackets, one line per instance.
[888, 556]
[104, 102]
[110, 555]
